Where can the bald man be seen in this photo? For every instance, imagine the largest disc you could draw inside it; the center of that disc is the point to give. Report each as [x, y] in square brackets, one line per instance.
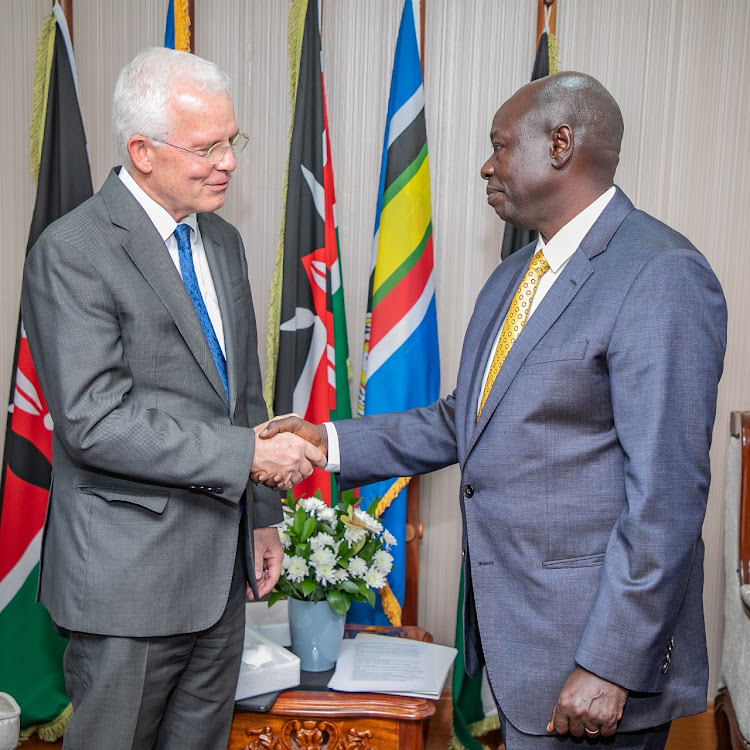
[581, 420]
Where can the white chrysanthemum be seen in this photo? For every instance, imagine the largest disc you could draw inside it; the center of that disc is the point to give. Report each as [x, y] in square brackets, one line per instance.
[357, 567]
[341, 575]
[372, 524]
[353, 536]
[285, 539]
[323, 556]
[312, 505]
[328, 515]
[383, 560]
[388, 539]
[326, 574]
[321, 540]
[374, 577]
[295, 568]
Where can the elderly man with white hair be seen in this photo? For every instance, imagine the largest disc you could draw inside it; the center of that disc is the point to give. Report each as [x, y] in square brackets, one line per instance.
[139, 316]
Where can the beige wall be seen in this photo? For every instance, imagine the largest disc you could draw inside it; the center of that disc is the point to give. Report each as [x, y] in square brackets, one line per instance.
[679, 69]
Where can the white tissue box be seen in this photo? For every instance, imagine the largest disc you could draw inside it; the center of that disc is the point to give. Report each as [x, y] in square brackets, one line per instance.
[265, 667]
[273, 621]
[10, 722]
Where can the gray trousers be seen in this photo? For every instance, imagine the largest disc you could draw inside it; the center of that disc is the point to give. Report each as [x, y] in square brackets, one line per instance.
[168, 693]
[649, 739]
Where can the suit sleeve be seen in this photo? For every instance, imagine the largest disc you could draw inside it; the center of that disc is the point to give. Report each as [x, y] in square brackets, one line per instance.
[399, 444]
[665, 359]
[74, 335]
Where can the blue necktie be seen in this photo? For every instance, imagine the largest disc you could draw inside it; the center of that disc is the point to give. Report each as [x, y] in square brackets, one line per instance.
[185, 252]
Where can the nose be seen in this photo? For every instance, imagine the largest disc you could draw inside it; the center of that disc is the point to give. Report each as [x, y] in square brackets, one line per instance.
[487, 170]
[228, 162]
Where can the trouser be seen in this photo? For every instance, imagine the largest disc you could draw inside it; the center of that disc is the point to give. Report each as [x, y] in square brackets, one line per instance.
[167, 693]
[654, 738]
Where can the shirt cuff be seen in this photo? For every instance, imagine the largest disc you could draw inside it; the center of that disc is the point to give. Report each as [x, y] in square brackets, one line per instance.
[334, 454]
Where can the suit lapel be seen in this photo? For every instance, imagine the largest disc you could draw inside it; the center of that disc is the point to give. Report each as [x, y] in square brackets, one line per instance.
[146, 249]
[563, 291]
[216, 255]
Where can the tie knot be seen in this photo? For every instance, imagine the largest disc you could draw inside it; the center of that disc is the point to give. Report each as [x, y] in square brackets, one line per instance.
[538, 262]
[182, 233]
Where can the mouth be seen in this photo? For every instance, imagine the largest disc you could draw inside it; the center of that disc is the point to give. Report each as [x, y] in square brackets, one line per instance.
[218, 186]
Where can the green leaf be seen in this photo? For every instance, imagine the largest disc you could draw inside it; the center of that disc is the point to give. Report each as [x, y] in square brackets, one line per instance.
[307, 586]
[275, 596]
[370, 596]
[358, 546]
[372, 507]
[339, 603]
[350, 587]
[290, 501]
[299, 521]
[308, 529]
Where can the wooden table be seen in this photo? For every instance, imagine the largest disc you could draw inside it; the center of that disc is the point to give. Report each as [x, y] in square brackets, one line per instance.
[311, 717]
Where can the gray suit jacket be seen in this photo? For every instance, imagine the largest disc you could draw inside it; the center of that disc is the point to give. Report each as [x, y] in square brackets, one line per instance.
[584, 482]
[150, 462]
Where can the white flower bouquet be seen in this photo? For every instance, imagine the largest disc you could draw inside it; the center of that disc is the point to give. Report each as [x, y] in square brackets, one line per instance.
[337, 554]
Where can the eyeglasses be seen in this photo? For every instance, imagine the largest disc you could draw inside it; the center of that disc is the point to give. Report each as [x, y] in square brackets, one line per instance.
[216, 153]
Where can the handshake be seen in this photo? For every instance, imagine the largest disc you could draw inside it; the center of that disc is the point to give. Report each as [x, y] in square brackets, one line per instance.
[287, 449]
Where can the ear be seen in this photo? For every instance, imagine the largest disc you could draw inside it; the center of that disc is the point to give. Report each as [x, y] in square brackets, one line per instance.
[141, 152]
[561, 146]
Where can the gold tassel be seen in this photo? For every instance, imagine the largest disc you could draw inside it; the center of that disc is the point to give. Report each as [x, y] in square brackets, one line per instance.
[553, 49]
[477, 729]
[391, 495]
[296, 29]
[52, 731]
[44, 53]
[181, 25]
[391, 607]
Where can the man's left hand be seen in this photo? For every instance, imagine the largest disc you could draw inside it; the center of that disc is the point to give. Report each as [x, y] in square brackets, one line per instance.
[268, 556]
[587, 705]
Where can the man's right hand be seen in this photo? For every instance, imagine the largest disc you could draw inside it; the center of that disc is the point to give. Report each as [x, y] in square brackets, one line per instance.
[296, 428]
[286, 460]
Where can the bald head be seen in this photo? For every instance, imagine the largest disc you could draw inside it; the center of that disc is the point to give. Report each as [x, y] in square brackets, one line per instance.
[582, 103]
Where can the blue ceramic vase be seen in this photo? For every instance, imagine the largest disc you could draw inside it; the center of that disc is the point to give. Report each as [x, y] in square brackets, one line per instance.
[316, 632]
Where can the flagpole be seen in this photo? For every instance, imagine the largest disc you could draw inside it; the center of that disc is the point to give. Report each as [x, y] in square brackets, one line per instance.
[191, 16]
[540, 17]
[414, 527]
[67, 9]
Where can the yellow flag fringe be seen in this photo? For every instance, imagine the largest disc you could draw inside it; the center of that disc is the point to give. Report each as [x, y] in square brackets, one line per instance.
[553, 54]
[53, 730]
[296, 29]
[44, 53]
[181, 25]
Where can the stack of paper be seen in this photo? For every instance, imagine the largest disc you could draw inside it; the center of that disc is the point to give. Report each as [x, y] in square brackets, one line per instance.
[265, 666]
[397, 666]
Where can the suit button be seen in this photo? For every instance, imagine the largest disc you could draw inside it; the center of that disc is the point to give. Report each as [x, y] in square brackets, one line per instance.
[468, 490]
[218, 490]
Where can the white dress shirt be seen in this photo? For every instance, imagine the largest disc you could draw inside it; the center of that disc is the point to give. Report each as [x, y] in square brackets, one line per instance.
[165, 226]
[558, 251]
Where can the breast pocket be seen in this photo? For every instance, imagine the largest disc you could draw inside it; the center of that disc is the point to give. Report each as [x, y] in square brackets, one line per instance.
[558, 352]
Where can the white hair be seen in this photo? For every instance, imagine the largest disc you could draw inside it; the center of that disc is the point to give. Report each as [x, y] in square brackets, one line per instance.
[145, 86]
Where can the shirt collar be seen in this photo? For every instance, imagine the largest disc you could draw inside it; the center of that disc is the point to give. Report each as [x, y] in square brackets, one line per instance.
[160, 217]
[560, 248]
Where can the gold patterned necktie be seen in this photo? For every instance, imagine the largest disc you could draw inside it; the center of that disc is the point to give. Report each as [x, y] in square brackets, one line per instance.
[515, 320]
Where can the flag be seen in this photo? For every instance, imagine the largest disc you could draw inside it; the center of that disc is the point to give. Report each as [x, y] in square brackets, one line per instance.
[308, 353]
[400, 363]
[31, 663]
[473, 717]
[177, 31]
